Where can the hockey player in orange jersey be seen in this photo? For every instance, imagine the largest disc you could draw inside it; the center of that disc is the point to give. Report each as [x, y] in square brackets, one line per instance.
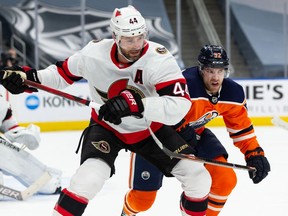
[212, 94]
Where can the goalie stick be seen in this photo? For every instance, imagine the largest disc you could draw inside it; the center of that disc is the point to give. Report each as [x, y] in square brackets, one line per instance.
[167, 151]
[32, 189]
[28, 192]
[277, 121]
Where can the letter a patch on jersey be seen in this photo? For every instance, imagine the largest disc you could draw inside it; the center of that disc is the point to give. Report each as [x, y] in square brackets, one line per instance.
[139, 77]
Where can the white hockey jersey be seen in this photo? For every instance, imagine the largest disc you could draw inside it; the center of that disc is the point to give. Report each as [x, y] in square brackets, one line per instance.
[155, 73]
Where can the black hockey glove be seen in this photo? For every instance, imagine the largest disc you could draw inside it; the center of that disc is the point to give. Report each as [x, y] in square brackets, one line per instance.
[12, 79]
[189, 135]
[255, 158]
[127, 103]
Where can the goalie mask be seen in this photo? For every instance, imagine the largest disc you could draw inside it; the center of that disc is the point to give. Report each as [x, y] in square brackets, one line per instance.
[127, 22]
[213, 56]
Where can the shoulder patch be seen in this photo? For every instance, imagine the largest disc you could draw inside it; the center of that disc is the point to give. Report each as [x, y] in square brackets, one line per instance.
[161, 50]
[96, 41]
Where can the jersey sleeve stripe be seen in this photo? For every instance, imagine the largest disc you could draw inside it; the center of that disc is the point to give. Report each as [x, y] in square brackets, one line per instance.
[162, 85]
[63, 70]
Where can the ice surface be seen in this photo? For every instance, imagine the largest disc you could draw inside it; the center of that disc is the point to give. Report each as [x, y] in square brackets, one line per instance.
[266, 198]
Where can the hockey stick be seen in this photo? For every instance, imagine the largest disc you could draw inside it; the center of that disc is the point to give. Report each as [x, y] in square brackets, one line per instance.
[28, 192]
[63, 94]
[277, 121]
[199, 159]
[33, 188]
[167, 151]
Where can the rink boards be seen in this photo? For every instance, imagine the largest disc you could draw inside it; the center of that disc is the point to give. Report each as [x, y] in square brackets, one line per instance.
[266, 98]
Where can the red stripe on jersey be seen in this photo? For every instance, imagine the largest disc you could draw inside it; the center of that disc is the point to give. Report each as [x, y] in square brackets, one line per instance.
[65, 72]
[26, 68]
[128, 138]
[176, 87]
[168, 83]
[15, 126]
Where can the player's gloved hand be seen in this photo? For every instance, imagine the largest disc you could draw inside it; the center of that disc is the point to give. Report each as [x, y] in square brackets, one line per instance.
[255, 158]
[127, 103]
[12, 78]
[189, 135]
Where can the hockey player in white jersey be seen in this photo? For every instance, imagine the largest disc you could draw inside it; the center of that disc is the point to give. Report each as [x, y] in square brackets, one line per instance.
[138, 85]
[15, 160]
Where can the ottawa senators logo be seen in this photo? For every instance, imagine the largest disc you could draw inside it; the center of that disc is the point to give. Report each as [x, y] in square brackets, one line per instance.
[102, 146]
[117, 87]
[161, 50]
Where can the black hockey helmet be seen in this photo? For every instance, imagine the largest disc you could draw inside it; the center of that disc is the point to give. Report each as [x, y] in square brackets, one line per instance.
[213, 56]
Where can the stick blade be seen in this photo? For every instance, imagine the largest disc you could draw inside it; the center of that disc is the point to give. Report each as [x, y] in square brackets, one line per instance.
[277, 121]
[10, 192]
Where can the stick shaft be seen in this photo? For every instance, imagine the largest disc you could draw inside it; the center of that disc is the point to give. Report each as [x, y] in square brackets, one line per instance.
[167, 151]
[36, 186]
[62, 94]
[199, 159]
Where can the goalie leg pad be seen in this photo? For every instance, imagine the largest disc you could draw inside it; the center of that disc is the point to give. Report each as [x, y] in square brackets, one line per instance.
[1, 183]
[23, 166]
[54, 185]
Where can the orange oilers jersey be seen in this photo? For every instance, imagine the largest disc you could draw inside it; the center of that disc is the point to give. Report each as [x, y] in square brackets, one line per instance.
[230, 104]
